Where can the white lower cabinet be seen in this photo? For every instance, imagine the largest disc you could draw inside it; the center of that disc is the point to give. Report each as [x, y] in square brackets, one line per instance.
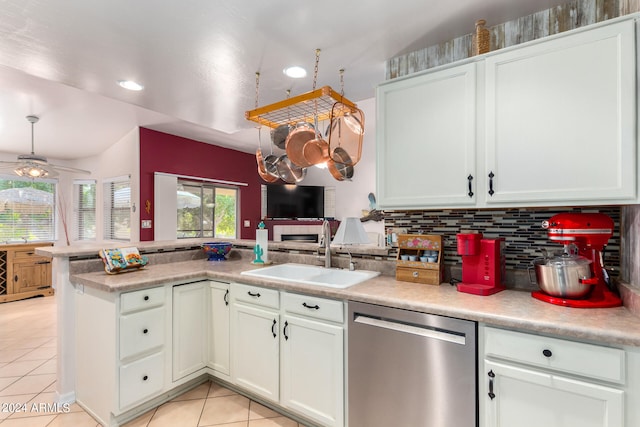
[219, 324]
[190, 308]
[312, 358]
[254, 338]
[289, 349]
[532, 381]
[121, 350]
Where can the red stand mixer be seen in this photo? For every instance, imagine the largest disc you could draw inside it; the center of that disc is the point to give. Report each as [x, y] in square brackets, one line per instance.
[483, 266]
[588, 233]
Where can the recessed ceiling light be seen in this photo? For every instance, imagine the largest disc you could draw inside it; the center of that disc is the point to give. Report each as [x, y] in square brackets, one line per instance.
[295, 72]
[130, 85]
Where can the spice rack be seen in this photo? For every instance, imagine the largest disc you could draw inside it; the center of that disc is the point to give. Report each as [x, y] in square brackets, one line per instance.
[300, 108]
[416, 267]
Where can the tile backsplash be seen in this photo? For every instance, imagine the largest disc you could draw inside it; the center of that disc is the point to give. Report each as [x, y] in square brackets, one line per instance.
[521, 228]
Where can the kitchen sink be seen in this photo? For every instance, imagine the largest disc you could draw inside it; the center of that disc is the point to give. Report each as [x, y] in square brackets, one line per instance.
[313, 275]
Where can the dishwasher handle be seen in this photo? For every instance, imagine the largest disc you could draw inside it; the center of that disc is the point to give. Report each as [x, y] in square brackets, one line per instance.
[422, 331]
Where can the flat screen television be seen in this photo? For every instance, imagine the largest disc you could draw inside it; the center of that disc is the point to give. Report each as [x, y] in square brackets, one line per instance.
[295, 201]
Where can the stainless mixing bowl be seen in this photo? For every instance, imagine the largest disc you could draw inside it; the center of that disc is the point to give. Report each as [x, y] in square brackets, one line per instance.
[561, 276]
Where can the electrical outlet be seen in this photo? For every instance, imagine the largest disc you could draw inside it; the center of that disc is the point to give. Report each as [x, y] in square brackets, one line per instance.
[146, 223]
[247, 223]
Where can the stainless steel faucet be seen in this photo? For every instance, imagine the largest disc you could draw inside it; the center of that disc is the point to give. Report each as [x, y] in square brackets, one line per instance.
[326, 242]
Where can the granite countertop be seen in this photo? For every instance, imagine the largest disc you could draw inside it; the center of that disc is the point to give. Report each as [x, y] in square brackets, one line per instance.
[509, 309]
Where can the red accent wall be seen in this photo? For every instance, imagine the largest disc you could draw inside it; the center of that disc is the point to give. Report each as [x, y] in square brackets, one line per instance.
[161, 152]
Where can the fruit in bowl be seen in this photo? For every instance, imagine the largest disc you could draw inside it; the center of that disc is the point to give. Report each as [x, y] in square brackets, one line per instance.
[216, 251]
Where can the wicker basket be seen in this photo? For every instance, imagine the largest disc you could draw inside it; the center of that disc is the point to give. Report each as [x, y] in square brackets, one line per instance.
[481, 39]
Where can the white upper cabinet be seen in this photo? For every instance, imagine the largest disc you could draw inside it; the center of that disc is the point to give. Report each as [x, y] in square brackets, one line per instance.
[560, 119]
[426, 139]
[548, 123]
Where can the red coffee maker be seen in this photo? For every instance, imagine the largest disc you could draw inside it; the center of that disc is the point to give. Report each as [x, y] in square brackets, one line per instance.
[482, 264]
[589, 233]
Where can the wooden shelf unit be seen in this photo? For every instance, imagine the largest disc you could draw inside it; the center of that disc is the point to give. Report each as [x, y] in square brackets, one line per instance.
[418, 271]
[23, 274]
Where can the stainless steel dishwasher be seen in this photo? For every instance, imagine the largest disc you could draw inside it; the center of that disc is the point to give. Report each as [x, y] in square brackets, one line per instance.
[410, 369]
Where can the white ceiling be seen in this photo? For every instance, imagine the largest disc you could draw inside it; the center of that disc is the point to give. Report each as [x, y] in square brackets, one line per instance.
[60, 60]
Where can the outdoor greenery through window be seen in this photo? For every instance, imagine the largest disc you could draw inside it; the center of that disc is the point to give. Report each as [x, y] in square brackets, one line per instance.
[206, 210]
[27, 209]
[84, 208]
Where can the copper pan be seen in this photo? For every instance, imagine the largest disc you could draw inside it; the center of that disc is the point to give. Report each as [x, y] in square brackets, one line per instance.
[299, 136]
[260, 161]
[346, 133]
[290, 172]
[316, 151]
[261, 169]
[341, 170]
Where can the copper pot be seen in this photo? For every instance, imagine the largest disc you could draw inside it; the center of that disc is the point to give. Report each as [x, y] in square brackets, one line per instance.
[342, 169]
[298, 137]
[290, 172]
[261, 168]
[346, 132]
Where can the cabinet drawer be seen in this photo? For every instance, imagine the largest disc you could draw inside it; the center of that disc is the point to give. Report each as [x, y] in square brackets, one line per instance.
[143, 299]
[141, 379]
[22, 254]
[141, 331]
[418, 275]
[317, 308]
[588, 360]
[256, 295]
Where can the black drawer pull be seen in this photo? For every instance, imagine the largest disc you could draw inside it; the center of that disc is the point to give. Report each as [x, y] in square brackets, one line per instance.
[547, 353]
[311, 307]
[145, 331]
[226, 297]
[146, 298]
[251, 294]
[145, 378]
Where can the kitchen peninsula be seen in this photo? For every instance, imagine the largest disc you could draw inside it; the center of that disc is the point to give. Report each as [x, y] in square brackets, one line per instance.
[84, 290]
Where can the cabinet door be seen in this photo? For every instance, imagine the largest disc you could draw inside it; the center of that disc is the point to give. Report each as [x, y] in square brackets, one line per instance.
[560, 119]
[255, 350]
[219, 335]
[189, 328]
[530, 398]
[31, 275]
[426, 139]
[312, 369]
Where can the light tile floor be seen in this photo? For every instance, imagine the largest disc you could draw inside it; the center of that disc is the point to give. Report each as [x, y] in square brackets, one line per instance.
[28, 374]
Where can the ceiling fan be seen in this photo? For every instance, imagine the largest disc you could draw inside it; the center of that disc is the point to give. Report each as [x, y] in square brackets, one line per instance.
[34, 166]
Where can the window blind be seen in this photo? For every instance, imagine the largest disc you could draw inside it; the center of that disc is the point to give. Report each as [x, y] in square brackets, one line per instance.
[27, 209]
[84, 209]
[117, 208]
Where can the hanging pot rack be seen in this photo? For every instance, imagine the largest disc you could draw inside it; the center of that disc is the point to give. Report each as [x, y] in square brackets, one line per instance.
[300, 108]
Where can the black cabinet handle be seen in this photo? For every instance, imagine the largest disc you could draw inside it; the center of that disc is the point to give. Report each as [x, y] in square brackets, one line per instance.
[145, 378]
[42, 262]
[251, 294]
[284, 331]
[146, 298]
[491, 176]
[273, 328]
[491, 377]
[470, 179]
[145, 331]
[311, 307]
[226, 297]
[15, 278]
[547, 353]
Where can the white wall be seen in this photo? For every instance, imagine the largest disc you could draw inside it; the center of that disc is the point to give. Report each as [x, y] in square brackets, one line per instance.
[351, 196]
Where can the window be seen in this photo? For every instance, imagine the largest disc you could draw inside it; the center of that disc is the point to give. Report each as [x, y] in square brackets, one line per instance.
[206, 210]
[84, 209]
[117, 209]
[27, 209]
